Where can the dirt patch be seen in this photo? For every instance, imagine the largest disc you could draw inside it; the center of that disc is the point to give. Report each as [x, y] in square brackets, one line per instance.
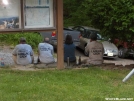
[105, 66]
[112, 66]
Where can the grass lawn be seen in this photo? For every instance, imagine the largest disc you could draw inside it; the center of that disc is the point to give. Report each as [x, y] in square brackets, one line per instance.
[91, 84]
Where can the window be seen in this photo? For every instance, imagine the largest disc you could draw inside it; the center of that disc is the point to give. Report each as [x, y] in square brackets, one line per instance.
[25, 15]
[10, 16]
[81, 30]
[38, 13]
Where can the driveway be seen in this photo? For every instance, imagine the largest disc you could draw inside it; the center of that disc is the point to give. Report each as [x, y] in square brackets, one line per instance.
[116, 61]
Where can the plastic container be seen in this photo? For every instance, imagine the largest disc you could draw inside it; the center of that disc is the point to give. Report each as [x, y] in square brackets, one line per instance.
[79, 60]
[68, 62]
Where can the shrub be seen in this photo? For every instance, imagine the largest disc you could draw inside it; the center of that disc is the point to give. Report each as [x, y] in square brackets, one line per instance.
[32, 38]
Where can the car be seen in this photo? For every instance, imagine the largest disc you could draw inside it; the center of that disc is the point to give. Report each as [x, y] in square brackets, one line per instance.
[53, 36]
[111, 50]
[126, 48]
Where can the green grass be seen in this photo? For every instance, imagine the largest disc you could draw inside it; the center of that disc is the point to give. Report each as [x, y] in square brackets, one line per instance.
[91, 84]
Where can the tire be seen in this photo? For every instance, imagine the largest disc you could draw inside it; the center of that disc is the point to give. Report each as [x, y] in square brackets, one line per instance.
[121, 53]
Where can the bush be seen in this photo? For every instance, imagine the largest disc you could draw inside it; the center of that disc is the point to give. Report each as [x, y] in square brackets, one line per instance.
[32, 38]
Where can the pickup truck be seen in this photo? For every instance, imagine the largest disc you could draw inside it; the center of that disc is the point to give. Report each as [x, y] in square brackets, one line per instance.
[53, 36]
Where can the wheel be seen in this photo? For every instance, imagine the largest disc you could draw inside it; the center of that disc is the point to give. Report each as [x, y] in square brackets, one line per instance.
[121, 53]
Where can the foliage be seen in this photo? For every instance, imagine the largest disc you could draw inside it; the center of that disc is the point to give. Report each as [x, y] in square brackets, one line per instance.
[113, 18]
[13, 38]
[73, 14]
[93, 84]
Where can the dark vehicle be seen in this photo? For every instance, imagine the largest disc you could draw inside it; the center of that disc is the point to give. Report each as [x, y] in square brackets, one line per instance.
[126, 48]
[53, 36]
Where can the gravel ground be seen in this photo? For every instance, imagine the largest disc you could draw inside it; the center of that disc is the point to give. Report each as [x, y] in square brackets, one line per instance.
[6, 55]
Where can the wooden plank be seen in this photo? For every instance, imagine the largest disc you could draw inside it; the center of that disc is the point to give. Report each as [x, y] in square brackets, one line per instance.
[60, 55]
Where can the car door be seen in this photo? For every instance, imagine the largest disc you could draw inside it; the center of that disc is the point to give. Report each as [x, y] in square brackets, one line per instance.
[85, 38]
[83, 42]
[82, 37]
[79, 28]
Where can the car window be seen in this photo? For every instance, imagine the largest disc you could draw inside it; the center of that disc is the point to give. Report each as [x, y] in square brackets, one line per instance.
[76, 28]
[81, 30]
[88, 32]
[99, 37]
[86, 36]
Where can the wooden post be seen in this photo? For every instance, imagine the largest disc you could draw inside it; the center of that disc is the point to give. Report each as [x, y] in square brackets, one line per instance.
[60, 55]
